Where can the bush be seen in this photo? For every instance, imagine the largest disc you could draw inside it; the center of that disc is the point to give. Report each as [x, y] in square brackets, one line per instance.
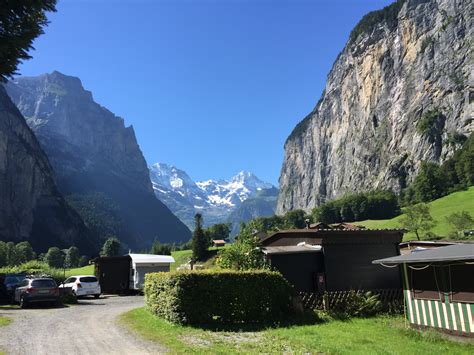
[35, 268]
[358, 304]
[219, 297]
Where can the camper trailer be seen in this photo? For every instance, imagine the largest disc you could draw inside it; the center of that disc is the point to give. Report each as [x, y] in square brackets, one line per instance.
[122, 274]
[142, 264]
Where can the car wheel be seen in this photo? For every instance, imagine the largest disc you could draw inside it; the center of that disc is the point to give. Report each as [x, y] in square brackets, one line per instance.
[23, 303]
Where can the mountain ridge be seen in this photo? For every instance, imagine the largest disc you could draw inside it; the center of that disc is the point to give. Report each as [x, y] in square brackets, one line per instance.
[92, 151]
[400, 92]
[215, 199]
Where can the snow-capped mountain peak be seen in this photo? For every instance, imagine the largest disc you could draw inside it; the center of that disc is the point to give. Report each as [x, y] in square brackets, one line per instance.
[218, 197]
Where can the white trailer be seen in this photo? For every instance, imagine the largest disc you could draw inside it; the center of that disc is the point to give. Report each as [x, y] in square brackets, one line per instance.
[145, 263]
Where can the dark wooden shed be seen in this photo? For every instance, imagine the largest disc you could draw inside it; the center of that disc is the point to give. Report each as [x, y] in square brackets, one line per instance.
[334, 260]
[113, 273]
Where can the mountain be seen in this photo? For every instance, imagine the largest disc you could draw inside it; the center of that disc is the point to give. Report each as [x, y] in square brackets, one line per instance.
[263, 204]
[214, 199]
[93, 154]
[31, 206]
[399, 93]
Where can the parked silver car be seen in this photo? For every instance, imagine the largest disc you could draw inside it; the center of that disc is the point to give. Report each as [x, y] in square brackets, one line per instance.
[37, 290]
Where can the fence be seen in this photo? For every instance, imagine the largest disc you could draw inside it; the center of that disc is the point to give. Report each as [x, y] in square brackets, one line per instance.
[390, 298]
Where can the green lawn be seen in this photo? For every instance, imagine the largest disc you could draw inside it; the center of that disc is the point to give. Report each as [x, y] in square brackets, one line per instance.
[85, 270]
[440, 209]
[382, 335]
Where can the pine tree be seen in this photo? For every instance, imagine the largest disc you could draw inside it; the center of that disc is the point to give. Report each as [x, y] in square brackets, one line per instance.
[199, 240]
[111, 247]
[21, 21]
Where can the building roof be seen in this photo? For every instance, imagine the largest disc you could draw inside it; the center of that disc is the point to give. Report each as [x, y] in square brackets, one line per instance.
[326, 235]
[292, 249]
[455, 252]
[151, 258]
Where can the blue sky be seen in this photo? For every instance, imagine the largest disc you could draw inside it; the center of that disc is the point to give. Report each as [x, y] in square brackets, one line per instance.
[212, 87]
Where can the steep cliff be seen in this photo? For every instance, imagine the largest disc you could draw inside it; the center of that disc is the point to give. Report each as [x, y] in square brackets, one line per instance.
[399, 93]
[92, 152]
[31, 207]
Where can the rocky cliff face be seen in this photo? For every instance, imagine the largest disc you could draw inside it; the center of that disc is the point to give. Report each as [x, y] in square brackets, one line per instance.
[91, 152]
[31, 206]
[398, 94]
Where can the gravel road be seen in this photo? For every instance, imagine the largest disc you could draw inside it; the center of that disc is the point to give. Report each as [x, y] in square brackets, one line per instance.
[90, 327]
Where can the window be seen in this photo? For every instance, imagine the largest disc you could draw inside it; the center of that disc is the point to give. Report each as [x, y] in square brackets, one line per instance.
[70, 280]
[43, 283]
[461, 283]
[426, 283]
[88, 279]
[25, 282]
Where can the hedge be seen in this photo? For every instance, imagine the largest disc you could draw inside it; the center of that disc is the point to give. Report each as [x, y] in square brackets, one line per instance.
[219, 297]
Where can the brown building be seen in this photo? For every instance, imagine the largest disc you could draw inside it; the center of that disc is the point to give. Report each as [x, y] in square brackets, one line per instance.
[334, 259]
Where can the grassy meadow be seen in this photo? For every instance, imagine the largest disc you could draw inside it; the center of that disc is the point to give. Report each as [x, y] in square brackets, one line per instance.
[440, 209]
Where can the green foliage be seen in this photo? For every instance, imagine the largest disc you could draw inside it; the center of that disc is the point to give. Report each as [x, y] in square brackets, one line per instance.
[389, 15]
[434, 181]
[99, 212]
[430, 183]
[218, 297]
[417, 218]
[111, 247]
[72, 258]
[200, 243]
[24, 252]
[358, 304]
[54, 258]
[429, 121]
[35, 268]
[377, 204]
[295, 219]
[460, 221]
[21, 21]
[11, 254]
[158, 248]
[243, 254]
[220, 231]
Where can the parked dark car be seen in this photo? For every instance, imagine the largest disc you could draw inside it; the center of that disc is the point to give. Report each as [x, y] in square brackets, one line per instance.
[37, 290]
[10, 283]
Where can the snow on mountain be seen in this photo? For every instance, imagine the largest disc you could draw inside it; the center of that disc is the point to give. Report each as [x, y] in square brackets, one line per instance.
[215, 199]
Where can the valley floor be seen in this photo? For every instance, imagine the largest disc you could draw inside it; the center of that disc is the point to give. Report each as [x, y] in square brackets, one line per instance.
[381, 335]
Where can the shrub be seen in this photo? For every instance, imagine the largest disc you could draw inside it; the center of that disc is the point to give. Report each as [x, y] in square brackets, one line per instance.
[358, 304]
[429, 122]
[35, 268]
[219, 297]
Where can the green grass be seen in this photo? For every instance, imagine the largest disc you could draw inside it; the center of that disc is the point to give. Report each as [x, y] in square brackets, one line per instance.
[85, 270]
[381, 335]
[4, 321]
[183, 256]
[440, 209]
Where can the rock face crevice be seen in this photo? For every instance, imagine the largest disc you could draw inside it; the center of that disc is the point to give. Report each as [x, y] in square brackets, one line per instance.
[92, 151]
[398, 94]
[31, 207]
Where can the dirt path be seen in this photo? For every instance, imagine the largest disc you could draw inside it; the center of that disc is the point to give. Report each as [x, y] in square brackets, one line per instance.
[89, 327]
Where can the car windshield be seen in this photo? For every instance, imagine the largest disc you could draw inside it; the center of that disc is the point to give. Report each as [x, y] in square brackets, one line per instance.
[43, 283]
[88, 279]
